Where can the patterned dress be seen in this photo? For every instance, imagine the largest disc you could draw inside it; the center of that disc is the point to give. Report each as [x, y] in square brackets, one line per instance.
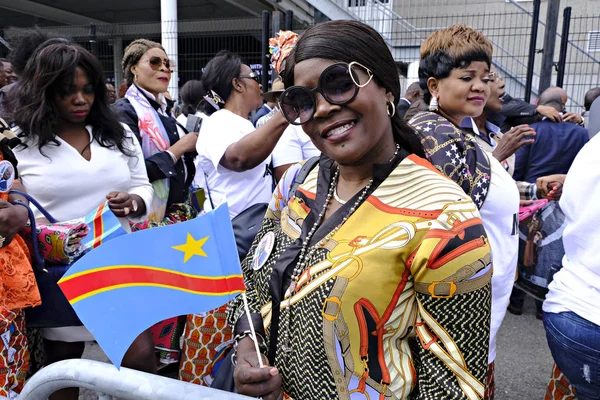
[395, 306]
[18, 290]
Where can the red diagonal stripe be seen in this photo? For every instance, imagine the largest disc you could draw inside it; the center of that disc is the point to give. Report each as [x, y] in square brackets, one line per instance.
[84, 284]
[98, 227]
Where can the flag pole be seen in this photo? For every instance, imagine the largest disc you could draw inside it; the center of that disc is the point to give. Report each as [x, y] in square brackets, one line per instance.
[260, 362]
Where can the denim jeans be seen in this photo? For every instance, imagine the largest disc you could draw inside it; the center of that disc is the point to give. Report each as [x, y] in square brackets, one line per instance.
[575, 346]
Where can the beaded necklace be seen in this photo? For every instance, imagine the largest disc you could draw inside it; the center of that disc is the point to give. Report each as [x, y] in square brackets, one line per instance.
[306, 255]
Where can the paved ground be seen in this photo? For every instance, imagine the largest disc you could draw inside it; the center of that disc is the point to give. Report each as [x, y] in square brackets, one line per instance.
[523, 364]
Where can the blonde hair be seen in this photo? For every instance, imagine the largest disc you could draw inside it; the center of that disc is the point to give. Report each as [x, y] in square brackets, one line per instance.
[457, 41]
[133, 54]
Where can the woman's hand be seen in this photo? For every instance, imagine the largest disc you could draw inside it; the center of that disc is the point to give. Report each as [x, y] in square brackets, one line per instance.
[186, 144]
[250, 379]
[512, 141]
[573, 118]
[122, 204]
[550, 186]
[550, 112]
[12, 219]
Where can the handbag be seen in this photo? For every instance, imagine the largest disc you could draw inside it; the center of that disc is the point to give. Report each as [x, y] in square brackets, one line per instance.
[55, 310]
[245, 225]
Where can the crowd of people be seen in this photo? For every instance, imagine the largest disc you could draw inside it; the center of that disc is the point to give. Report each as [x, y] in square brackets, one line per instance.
[380, 234]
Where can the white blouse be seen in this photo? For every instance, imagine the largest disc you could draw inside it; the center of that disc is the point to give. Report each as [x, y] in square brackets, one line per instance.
[68, 186]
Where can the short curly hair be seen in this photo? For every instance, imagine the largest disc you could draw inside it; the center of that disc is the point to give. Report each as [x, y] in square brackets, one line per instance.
[133, 54]
[454, 47]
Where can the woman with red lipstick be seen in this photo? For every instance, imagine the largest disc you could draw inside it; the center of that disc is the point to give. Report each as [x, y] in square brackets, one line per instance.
[356, 282]
[75, 156]
[454, 72]
[168, 149]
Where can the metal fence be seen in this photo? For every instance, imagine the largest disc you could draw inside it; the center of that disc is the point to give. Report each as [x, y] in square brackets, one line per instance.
[510, 33]
[198, 42]
[582, 64]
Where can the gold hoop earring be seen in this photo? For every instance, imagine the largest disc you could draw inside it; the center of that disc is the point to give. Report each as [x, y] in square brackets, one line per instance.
[387, 106]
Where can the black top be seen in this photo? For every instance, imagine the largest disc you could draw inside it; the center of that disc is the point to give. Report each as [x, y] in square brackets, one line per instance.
[160, 165]
[518, 112]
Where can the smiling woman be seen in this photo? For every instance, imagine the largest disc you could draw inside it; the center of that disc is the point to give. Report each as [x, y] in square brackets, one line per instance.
[454, 72]
[347, 278]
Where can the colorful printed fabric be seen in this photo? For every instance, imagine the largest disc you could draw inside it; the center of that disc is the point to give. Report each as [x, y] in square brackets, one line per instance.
[455, 153]
[490, 382]
[280, 47]
[14, 357]
[559, 387]
[395, 308]
[178, 212]
[18, 288]
[154, 140]
[59, 243]
[206, 341]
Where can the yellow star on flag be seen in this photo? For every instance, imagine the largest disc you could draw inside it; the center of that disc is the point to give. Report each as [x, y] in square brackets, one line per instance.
[192, 247]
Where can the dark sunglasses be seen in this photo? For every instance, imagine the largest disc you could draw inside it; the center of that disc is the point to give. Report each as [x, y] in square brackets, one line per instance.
[251, 75]
[338, 84]
[156, 62]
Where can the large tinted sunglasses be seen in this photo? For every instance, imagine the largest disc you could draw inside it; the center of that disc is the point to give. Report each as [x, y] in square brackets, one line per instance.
[338, 84]
[156, 62]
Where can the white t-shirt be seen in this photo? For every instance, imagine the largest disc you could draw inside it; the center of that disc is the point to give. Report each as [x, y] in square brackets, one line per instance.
[293, 147]
[239, 189]
[499, 215]
[576, 287]
[68, 187]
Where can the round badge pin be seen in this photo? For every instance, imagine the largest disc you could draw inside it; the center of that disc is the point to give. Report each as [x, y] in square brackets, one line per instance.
[263, 251]
[7, 176]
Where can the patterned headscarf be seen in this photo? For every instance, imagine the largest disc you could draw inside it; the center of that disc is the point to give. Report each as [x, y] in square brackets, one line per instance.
[280, 47]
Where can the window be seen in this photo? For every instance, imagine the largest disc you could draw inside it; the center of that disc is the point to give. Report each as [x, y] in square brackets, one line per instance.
[593, 41]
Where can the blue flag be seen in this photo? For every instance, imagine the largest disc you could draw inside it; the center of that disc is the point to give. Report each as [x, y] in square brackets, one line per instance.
[132, 282]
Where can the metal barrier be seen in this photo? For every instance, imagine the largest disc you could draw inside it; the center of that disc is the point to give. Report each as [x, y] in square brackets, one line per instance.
[124, 384]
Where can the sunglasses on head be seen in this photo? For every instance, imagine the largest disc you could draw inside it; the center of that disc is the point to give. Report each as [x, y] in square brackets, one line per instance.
[251, 75]
[156, 62]
[338, 84]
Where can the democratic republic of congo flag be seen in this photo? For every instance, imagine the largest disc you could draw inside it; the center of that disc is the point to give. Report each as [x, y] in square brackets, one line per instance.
[104, 226]
[128, 284]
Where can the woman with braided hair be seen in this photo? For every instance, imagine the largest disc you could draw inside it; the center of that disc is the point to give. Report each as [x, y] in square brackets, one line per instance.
[168, 149]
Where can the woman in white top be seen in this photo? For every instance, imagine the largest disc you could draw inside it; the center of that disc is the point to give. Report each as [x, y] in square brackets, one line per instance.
[454, 73]
[571, 311]
[75, 156]
[234, 156]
